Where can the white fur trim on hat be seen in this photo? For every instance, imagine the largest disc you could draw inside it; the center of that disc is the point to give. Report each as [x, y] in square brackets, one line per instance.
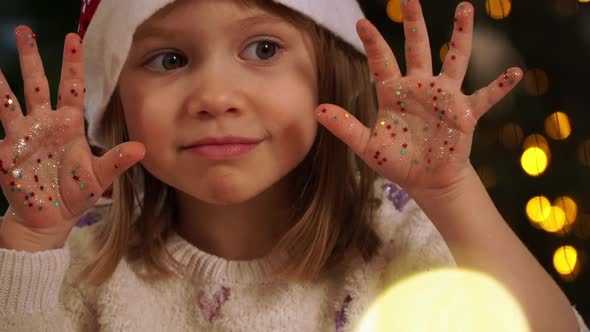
[109, 36]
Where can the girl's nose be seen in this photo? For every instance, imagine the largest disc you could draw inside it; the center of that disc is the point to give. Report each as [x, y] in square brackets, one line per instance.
[214, 94]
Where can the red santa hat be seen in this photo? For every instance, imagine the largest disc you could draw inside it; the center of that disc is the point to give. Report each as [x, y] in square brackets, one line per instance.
[107, 27]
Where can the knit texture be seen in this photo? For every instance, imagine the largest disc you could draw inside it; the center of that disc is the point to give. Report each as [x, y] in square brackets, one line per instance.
[38, 292]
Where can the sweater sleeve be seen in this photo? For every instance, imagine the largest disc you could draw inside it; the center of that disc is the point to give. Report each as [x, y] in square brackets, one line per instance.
[39, 292]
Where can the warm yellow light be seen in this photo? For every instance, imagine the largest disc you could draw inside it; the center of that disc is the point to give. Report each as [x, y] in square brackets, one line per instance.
[537, 141]
[511, 135]
[557, 126]
[536, 82]
[451, 299]
[566, 7]
[555, 222]
[394, 11]
[565, 260]
[487, 176]
[569, 207]
[584, 152]
[534, 161]
[498, 9]
[584, 1]
[538, 209]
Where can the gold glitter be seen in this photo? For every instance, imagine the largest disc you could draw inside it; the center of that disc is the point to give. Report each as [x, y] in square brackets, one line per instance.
[382, 123]
[346, 115]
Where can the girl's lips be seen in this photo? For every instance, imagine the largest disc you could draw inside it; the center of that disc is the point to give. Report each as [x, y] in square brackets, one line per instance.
[222, 151]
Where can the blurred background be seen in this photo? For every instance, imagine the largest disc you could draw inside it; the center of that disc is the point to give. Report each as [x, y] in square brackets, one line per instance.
[532, 151]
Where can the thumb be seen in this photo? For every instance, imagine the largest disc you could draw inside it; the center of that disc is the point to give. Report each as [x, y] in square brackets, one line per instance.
[117, 161]
[344, 126]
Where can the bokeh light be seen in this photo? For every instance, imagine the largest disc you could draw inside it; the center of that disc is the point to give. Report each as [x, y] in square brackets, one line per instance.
[394, 11]
[487, 176]
[569, 207]
[555, 222]
[511, 135]
[566, 7]
[536, 141]
[538, 210]
[498, 9]
[451, 299]
[557, 126]
[534, 161]
[536, 82]
[584, 152]
[565, 260]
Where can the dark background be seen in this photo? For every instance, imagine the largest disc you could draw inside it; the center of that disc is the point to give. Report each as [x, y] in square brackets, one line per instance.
[553, 35]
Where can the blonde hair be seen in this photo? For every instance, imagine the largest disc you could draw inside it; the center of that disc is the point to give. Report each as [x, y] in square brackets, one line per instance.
[335, 200]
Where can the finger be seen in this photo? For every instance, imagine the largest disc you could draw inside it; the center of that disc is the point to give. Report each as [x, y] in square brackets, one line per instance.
[344, 126]
[457, 60]
[71, 88]
[35, 82]
[117, 161]
[381, 59]
[485, 98]
[9, 106]
[418, 57]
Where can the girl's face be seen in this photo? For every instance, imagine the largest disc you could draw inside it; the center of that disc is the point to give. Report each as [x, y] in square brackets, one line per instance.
[218, 71]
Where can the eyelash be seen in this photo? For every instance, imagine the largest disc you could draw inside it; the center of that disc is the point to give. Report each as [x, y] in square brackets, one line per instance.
[278, 52]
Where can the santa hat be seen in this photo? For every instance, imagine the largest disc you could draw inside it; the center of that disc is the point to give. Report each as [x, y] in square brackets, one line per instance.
[107, 28]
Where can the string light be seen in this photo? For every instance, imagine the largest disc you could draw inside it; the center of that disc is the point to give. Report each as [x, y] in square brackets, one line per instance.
[565, 262]
[511, 135]
[536, 82]
[557, 126]
[534, 161]
[394, 11]
[498, 9]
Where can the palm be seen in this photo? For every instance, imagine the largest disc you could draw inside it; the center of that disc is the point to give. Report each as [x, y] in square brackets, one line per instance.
[424, 130]
[49, 174]
[48, 171]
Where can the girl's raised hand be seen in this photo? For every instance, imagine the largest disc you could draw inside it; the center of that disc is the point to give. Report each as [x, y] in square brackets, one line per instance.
[47, 171]
[424, 130]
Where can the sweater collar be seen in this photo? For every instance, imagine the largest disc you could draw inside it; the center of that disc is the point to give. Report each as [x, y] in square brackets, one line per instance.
[205, 267]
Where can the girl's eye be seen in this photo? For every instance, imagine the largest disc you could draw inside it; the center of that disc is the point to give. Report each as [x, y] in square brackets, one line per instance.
[167, 61]
[261, 50]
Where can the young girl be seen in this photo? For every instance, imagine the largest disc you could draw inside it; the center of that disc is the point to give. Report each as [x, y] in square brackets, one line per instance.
[240, 212]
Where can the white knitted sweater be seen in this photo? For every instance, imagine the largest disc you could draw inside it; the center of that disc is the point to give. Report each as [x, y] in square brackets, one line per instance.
[38, 293]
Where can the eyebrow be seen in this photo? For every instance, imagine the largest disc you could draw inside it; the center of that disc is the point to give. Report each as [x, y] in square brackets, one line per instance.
[171, 33]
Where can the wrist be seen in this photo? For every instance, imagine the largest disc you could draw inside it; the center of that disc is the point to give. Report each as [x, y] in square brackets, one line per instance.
[464, 182]
[15, 236]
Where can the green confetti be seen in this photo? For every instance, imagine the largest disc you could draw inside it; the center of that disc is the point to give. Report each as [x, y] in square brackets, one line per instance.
[56, 204]
[404, 151]
[82, 186]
